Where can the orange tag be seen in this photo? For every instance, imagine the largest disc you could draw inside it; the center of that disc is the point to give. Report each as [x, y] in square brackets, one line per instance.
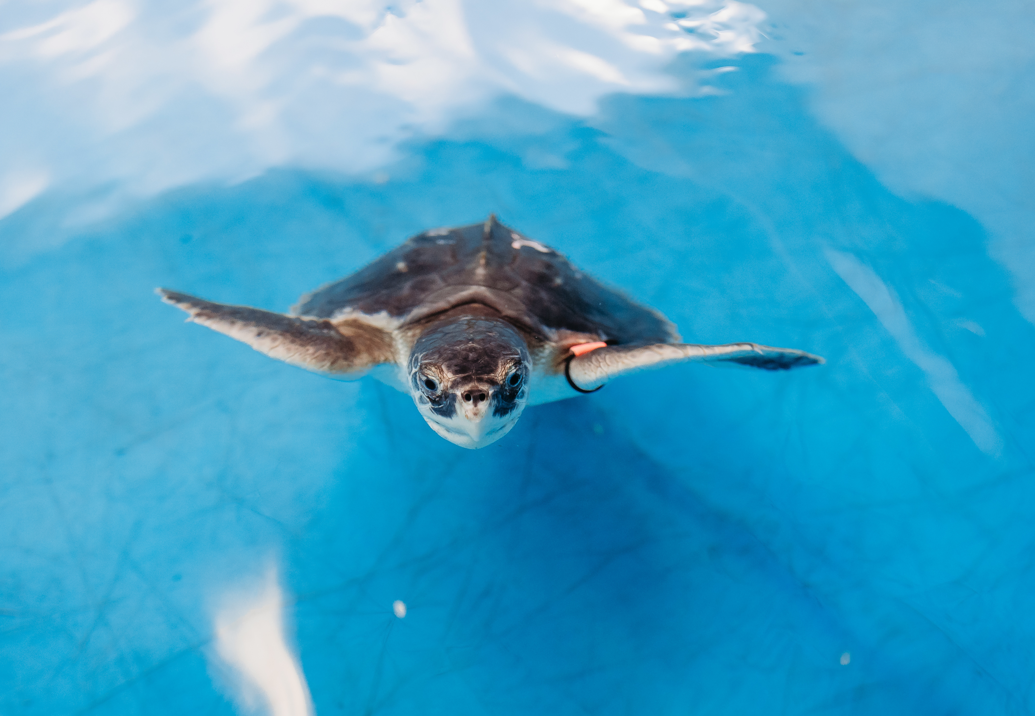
[584, 348]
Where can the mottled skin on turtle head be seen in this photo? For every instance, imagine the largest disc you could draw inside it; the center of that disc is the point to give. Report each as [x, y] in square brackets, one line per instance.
[469, 376]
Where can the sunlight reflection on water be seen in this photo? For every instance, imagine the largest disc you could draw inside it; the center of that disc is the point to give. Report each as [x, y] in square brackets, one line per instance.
[250, 639]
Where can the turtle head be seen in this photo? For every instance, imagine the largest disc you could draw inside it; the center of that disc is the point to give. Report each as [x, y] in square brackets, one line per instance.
[469, 379]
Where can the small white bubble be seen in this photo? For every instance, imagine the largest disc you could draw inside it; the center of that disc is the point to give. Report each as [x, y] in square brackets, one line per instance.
[846, 658]
[399, 607]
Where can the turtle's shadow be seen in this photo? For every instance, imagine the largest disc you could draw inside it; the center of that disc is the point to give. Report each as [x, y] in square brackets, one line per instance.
[563, 556]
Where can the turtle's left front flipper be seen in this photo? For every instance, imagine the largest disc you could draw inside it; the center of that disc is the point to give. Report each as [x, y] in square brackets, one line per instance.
[340, 349]
[591, 370]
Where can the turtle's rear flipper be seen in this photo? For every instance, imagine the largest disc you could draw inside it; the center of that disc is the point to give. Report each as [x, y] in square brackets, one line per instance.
[591, 370]
[340, 349]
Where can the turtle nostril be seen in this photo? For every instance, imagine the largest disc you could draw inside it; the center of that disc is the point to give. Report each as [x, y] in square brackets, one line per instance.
[475, 398]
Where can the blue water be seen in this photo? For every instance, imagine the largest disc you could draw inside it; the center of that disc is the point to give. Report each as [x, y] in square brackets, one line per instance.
[693, 540]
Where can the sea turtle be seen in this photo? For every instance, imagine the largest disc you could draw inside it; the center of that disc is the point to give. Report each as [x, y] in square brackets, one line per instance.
[475, 323]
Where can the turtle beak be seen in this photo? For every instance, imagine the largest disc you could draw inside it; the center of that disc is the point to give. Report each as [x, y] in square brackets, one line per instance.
[474, 424]
[474, 402]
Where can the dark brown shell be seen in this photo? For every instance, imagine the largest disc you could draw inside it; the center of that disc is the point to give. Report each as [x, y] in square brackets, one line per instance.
[488, 263]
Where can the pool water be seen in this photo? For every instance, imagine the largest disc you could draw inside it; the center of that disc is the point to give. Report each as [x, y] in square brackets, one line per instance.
[851, 538]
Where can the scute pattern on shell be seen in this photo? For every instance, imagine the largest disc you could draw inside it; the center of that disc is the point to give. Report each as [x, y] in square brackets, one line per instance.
[542, 290]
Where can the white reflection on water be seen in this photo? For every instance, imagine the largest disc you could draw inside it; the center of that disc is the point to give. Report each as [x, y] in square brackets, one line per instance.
[935, 98]
[20, 186]
[250, 640]
[157, 95]
[941, 375]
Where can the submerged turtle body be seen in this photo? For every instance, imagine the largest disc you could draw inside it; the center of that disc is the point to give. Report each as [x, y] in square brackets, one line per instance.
[474, 323]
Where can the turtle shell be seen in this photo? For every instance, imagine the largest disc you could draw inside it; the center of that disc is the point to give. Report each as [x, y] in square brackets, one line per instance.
[528, 283]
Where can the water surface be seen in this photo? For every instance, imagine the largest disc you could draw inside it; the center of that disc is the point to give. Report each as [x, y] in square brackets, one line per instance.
[852, 538]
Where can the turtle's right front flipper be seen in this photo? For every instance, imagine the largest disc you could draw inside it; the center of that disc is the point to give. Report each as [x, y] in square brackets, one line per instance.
[344, 349]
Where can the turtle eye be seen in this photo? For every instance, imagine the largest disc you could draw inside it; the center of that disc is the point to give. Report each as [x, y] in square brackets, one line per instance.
[430, 384]
[514, 380]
